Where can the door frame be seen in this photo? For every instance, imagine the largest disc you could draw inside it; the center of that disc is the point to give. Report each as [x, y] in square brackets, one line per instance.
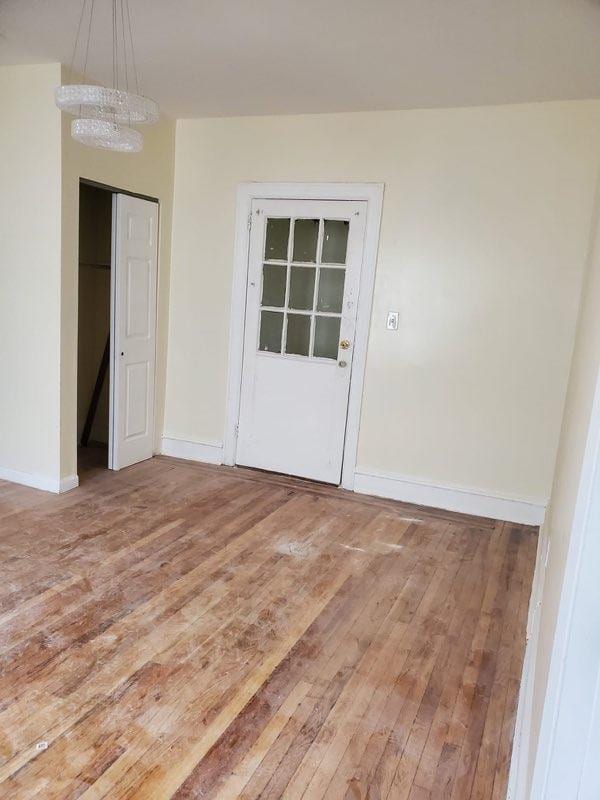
[372, 194]
[112, 190]
[562, 752]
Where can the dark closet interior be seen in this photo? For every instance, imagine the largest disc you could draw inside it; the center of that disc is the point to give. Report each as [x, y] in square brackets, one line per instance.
[95, 223]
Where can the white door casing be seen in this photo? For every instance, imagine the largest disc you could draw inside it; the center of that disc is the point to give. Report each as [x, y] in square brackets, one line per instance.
[299, 335]
[133, 330]
[567, 765]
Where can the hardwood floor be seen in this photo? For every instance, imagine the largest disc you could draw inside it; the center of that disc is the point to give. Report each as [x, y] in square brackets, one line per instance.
[184, 631]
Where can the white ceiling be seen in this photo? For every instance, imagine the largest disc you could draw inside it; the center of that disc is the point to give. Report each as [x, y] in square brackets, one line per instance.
[227, 57]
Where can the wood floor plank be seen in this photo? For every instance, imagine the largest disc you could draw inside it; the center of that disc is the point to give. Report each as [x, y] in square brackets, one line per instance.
[487, 757]
[177, 631]
[251, 655]
[375, 673]
[482, 689]
[380, 728]
[330, 651]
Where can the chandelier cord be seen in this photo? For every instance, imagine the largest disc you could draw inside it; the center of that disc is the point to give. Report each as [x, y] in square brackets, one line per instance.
[89, 36]
[133, 64]
[115, 68]
[125, 65]
[127, 40]
[72, 64]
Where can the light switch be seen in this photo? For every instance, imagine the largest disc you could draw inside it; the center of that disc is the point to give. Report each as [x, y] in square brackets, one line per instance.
[392, 321]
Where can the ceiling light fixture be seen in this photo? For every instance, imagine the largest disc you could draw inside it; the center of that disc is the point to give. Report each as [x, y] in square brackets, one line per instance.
[105, 114]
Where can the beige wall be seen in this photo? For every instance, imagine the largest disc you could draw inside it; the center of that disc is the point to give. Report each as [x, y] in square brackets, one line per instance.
[29, 273]
[484, 234]
[150, 173]
[39, 207]
[580, 396]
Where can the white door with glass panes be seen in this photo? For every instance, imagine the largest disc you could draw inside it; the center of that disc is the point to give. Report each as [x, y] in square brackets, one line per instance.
[303, 280]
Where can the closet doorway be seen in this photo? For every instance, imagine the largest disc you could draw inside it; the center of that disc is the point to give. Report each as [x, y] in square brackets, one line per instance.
[118, 238]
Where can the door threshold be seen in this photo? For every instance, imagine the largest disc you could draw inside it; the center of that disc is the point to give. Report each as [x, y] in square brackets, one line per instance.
[267, 473]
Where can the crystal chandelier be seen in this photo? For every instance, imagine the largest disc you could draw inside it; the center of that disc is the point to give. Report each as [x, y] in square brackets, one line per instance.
[105, 114]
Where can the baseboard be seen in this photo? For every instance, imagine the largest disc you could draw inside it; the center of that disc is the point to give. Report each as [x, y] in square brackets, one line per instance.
[39, 481]
[192, 451]
[68, 483]
[450, 498]
[519, 763]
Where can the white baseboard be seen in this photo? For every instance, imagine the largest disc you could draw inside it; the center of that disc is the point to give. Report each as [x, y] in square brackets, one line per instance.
[42, 482]
[519, 763]
[450, 498]
[192, 451]
[68, 483]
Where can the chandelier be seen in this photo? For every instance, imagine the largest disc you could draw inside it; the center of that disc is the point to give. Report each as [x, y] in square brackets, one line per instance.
[105, 114]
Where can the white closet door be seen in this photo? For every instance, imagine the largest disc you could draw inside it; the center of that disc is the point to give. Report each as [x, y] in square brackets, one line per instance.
[133, 329]
[303, 278]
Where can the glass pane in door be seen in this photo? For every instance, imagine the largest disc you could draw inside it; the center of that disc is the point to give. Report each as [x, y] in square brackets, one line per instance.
[298, 334]
[276, 241]
[331, 289]
[302, 287]
[273, 288]
[327, 336]
[335, 241]
[271, 328]
[306, 236]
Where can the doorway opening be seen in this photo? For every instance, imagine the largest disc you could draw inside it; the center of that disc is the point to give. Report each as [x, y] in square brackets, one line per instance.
[93, 339]
[118, 268]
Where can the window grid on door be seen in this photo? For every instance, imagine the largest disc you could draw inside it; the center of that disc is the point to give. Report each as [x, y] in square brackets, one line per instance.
[298, 286]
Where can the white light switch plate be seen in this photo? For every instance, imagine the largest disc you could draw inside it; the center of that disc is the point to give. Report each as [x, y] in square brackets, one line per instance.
[392, 321]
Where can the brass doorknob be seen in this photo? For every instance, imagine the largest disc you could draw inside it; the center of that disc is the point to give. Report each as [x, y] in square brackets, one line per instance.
[344, 344]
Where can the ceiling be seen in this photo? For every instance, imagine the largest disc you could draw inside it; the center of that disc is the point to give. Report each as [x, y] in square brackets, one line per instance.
[203, 58]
